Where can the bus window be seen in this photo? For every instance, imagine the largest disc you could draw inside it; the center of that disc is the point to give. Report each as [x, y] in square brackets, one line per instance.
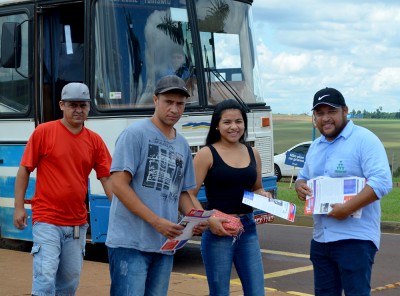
[138, 45]
[14, 81]
[224, 75]
[230, 70]
[70, 66]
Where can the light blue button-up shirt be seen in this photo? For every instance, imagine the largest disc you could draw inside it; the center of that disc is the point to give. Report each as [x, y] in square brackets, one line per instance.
[355, 152]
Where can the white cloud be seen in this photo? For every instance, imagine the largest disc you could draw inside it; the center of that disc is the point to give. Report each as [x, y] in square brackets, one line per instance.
[386, 80]
[353, 46]
[286, 63]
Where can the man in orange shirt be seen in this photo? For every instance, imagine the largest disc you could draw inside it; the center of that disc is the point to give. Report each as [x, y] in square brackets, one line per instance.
[63, 152]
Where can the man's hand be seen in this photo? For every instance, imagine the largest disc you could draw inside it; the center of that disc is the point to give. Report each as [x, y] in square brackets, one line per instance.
[20, 218]
[200, 228]
[168, 229]
[365, 197]
[302, 189]
[339, 211]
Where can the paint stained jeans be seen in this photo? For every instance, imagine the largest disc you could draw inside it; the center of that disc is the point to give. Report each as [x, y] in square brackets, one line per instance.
[137, 273]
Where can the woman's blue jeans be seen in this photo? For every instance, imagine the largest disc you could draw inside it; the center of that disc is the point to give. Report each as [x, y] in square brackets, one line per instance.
[342, 265]
[219, 252]
[137, 273]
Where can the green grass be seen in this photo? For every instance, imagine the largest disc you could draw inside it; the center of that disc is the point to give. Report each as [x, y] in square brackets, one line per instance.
[289, 131]
[390, 204]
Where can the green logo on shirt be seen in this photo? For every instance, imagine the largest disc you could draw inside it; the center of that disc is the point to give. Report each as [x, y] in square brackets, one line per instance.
[340, 168]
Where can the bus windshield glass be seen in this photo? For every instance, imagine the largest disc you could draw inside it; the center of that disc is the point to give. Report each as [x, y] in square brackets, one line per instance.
[228, 52]
[138, 42]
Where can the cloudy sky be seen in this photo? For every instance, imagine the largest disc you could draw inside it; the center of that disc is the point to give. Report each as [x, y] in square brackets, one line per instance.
[351, 45]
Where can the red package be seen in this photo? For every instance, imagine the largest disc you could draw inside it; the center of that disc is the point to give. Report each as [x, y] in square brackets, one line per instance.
[233, 224]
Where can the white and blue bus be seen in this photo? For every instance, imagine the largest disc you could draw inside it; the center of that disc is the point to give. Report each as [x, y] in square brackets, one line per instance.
[119, 48]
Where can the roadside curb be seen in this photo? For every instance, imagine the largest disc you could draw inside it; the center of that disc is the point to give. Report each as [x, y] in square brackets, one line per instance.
[391, 227]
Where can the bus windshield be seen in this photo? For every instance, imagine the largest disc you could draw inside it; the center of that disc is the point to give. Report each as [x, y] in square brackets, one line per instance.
[136, 43]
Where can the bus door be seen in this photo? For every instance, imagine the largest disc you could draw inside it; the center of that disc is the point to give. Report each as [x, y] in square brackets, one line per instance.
[61, 48]
[60, 53]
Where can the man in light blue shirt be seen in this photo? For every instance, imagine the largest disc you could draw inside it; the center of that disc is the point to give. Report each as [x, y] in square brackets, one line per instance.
[343, 247]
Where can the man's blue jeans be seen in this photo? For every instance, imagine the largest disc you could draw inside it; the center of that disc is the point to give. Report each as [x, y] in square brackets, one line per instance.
[342, 265]
[219, 252]
[137, 273]
[57, 259]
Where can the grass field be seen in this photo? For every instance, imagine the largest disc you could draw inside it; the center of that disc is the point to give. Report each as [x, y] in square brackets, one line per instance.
[390, 204]
[290, 130]
[293, 129]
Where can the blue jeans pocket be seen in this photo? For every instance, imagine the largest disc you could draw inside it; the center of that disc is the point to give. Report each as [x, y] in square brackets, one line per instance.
[37, 266]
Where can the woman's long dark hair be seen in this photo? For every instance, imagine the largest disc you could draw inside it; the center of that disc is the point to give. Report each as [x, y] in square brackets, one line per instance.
[213, 134]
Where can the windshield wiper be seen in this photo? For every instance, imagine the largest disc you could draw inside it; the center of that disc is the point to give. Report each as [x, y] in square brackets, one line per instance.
[224, 82]
[230, 88]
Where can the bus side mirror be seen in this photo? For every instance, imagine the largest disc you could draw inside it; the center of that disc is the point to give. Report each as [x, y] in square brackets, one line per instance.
[11, 45]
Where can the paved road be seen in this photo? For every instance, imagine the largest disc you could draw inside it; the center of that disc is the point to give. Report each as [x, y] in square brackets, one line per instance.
[285, 256]
[287, 266]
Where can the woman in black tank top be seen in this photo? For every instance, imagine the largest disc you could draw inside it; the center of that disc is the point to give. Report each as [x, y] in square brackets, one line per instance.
[228, 167]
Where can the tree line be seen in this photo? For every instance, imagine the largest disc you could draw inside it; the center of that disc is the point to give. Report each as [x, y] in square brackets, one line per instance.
[378, 113]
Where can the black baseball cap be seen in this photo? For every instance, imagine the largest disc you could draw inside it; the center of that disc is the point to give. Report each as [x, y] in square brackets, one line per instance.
[328, 96]
[171, 83]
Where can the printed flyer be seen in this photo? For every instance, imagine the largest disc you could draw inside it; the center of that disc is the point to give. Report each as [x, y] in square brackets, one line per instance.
[193, 218]
[276, 207]
[327, 191]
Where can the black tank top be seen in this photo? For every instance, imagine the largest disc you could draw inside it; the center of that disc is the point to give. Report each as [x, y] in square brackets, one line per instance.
[225, 185]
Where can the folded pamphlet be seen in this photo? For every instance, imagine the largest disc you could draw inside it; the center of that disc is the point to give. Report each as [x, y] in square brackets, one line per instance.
[327, 191]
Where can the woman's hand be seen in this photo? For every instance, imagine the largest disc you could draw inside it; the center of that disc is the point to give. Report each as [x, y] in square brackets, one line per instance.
[264, 193]
[217, 227]
[268, 194]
